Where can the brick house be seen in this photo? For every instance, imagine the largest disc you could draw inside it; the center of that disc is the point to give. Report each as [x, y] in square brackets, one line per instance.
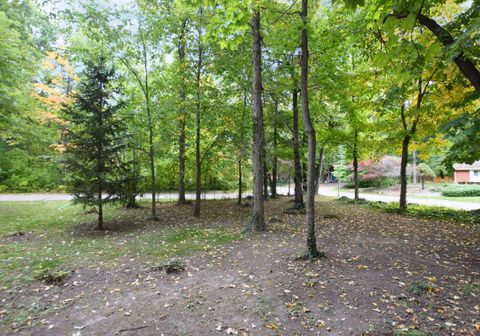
[465, 173]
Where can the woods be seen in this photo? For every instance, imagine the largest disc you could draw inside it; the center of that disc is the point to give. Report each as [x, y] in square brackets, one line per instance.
[258, 167]
[177, 67]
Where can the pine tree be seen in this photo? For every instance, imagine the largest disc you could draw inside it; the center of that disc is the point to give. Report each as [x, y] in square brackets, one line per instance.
[94, 139]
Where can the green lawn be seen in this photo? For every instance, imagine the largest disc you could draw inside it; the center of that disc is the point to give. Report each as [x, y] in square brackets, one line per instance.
[65, 238]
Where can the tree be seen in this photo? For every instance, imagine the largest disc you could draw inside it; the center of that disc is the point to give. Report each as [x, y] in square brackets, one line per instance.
[198, 159]
[94, 138]
[133, 53]
[258, 211]
[424, 171]
[312, 251]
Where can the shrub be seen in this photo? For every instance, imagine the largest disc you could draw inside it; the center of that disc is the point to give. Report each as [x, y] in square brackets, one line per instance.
[461, 191]
[419, 287]
[49, 273]
[378, 182]
[172, 266]
[427, 211]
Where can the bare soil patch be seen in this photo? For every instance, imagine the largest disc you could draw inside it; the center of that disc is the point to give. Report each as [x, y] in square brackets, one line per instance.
[384, 274]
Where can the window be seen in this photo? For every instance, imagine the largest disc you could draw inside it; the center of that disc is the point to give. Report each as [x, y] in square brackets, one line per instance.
[476, 173]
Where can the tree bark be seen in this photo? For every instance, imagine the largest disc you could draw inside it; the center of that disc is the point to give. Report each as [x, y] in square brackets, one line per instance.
[265, 178]
[151, 151]
[275, 145]
[258, 210]
[182, 117]
[100, 212]
[320, 169]
[239, 201]
[414, 167]
[241, 148]
[355, 165]
[297, 175]
[312, 251]
[198, 163]
[423, 182]
[403, 173]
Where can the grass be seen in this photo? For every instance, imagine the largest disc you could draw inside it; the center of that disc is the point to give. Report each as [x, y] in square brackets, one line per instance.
[424, 211]
[64, 238]
[428, 211]
[471, 199]
[446, 198]
[38, 216]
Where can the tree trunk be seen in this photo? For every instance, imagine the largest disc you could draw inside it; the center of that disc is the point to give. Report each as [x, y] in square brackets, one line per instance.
[297, 175]
[239, 201]
[320, 168]
[265, 179]
[258, 211]
[100, 212]
[198, 163]
[312, 251]
[275, 145]
[403, 173]
[182, 116]
[241, 148]
[355, 164]
[414, 167]
[151, 152]
[100, 170]
[152, 164]
[423, 182]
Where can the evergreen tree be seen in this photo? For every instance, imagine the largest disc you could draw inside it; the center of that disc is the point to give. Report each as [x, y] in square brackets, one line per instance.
[94, 139]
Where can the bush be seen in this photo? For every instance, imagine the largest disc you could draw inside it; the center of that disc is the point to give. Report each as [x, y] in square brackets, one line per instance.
[461, 191]
[380, 182]
[50, 273]
[427, 211]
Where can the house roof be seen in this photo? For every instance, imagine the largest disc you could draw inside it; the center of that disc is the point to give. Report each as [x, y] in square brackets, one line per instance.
[464, 166]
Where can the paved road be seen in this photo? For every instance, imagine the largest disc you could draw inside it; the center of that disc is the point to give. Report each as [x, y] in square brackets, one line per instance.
[327, 190]
[332, 191]
[66, 197]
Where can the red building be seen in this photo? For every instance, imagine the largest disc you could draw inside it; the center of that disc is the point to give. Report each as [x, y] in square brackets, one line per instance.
[465, 173]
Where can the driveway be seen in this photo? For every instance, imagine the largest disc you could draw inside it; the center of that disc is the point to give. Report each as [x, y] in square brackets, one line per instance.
[331, 190]
[326, 190]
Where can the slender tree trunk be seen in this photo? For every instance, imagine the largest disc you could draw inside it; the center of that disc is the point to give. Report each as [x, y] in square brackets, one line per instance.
[239, 201]
[355, 164]
[265, 179]
[312, 251]
[320, 169]
[152, 164]
[297, 175]
[100, 211]
[403, 173]
[289, 178]
[182, 117]
[241, 148]
[100, 169]
[423, 182]
[198, 163]
[258, 211]
[151, 152]
[414, 167]
[409, 133]
[275, 145]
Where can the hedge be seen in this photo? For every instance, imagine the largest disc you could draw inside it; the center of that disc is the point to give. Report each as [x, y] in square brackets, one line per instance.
[461, 191]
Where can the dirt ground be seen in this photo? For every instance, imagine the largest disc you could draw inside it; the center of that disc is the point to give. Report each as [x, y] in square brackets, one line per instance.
[384, 274]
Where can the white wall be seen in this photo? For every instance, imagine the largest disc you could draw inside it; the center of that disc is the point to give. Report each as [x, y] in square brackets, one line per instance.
[475, 175]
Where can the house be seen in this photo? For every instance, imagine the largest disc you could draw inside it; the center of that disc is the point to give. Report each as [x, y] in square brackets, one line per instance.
[467, 173]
